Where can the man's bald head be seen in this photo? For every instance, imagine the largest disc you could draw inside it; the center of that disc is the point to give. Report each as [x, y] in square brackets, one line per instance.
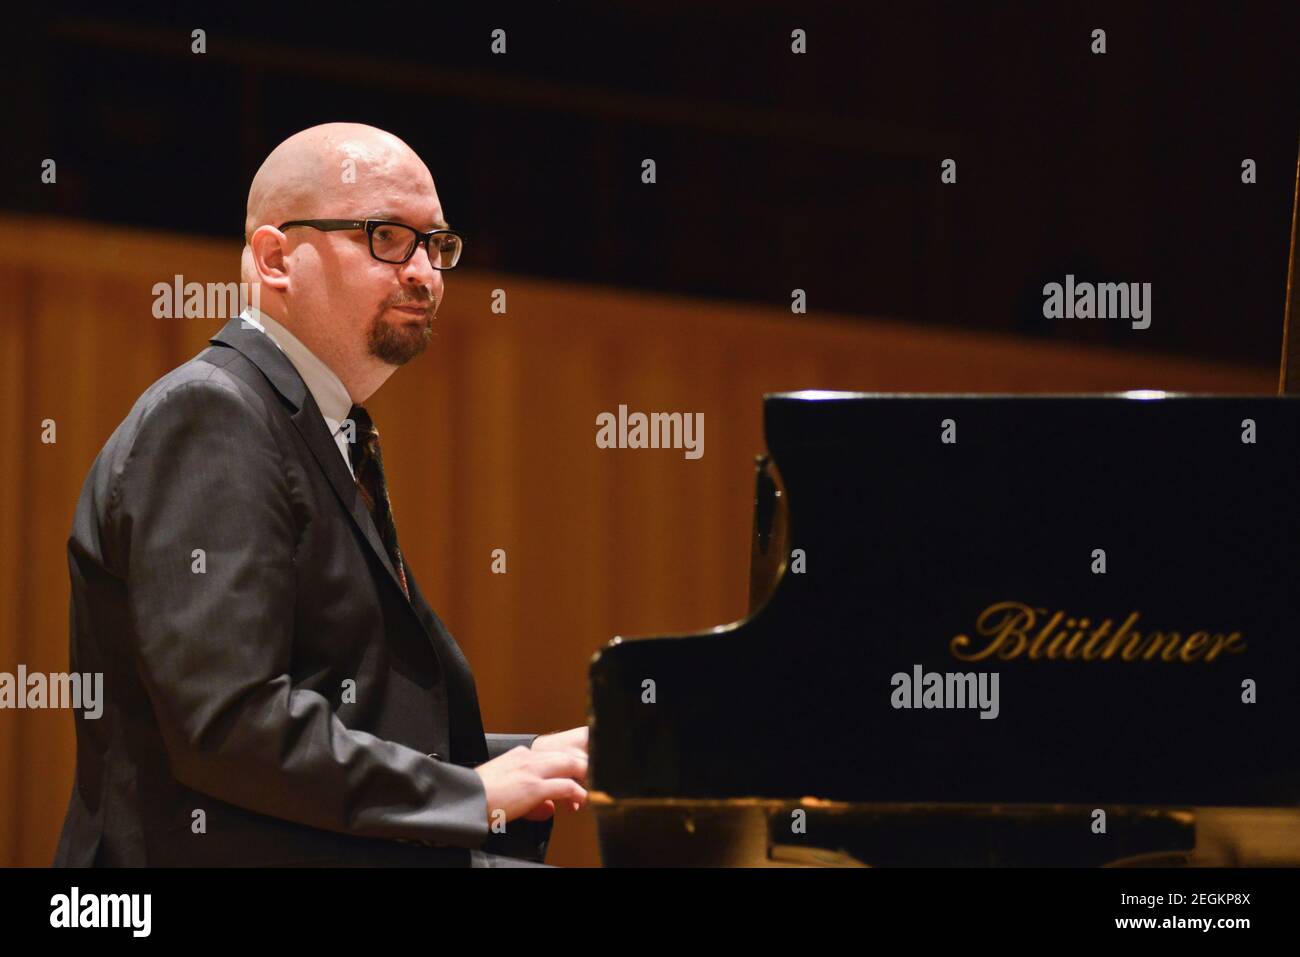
[310, 171]
[363, 317]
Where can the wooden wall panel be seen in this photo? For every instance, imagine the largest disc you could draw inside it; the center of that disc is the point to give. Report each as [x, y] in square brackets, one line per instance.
[489, 441]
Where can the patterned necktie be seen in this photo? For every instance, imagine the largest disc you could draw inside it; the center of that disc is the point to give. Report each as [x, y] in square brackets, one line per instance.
[368, 466]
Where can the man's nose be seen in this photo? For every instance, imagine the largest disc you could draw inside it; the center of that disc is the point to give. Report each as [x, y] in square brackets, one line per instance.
[419, 271]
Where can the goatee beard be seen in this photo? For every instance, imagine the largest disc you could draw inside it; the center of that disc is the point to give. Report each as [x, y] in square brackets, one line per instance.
[398, 344]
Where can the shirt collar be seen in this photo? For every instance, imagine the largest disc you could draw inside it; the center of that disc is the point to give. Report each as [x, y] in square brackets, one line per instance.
[326, 387]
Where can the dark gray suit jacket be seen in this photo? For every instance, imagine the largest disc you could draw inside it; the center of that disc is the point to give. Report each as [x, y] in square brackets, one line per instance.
[229, 582]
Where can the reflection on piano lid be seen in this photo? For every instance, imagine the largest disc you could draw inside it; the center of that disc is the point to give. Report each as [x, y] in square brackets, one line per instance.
[1126, 565]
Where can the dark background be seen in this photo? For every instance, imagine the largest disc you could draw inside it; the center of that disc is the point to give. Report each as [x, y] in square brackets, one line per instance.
[775, 171]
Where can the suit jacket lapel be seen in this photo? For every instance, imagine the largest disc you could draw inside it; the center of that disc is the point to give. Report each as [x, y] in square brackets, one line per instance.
[311, 425]
[467, 738]
[258, 348]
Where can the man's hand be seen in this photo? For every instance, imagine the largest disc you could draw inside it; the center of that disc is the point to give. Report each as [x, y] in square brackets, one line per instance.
[528, 783]
[573, 741]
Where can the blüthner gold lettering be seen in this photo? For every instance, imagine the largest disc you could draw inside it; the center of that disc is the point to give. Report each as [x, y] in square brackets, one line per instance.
[1010, 629]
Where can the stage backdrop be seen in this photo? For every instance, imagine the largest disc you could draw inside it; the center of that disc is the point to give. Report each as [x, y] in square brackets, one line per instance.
[489, 443]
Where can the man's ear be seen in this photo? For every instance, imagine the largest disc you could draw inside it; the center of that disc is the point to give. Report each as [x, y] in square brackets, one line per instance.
[266, 251]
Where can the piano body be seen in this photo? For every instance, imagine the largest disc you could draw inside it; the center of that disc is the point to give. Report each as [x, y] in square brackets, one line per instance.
[1126, 565]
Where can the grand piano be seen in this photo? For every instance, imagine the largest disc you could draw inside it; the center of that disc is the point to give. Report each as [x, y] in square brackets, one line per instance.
[985, 631]
[1126, 565]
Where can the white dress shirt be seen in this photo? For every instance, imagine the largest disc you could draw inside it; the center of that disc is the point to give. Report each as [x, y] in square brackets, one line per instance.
[327, 389]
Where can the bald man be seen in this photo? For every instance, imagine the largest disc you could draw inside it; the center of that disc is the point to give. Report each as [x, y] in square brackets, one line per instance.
[277, 690]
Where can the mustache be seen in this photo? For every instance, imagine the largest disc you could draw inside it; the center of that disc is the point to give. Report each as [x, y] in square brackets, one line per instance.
[427, 304]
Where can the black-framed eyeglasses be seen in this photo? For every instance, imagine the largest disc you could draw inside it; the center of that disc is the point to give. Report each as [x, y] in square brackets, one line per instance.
[393, 242]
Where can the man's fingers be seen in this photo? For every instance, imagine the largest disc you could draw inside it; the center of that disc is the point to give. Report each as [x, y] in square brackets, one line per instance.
[564, 790]
[562, 764]
[581, 758]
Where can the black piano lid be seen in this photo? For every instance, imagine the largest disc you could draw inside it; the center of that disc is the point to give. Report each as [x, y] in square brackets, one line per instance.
[908, 539]
[816, 414]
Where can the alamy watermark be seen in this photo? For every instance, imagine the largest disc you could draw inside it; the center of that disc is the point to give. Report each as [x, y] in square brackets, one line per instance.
[656, 430]
[59, 689]
[933, 689]
[1103, 300]
[75, 909]
[203, 300]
